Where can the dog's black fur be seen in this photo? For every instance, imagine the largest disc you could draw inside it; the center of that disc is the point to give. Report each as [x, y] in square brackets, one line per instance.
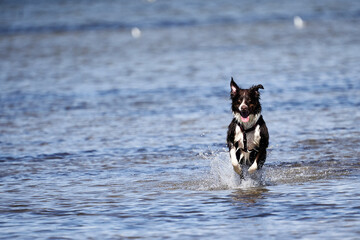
[247, 124]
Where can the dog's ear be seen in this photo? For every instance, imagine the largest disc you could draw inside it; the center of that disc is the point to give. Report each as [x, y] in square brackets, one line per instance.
[234, 88]
[256, 88]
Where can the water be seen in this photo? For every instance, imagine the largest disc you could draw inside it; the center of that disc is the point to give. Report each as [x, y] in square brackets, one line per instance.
[105, 135]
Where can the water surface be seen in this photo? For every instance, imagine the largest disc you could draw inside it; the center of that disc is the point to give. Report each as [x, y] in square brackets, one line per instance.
[103, 135]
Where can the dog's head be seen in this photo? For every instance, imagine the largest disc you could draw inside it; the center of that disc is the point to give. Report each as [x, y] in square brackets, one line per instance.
[245, 102]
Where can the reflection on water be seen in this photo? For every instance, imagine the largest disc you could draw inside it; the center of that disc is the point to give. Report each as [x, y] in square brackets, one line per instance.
[249, 196]
[111, 133]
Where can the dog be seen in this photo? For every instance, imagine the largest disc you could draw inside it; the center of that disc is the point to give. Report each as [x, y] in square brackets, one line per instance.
[247, 136]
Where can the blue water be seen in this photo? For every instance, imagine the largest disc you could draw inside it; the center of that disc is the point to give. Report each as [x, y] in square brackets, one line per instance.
[113, 119]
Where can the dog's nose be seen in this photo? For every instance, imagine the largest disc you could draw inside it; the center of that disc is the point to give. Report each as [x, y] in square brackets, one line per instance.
[244, 111]
[244, 108]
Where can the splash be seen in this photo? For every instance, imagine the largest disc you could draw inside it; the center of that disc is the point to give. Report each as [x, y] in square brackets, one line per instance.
[221, 175]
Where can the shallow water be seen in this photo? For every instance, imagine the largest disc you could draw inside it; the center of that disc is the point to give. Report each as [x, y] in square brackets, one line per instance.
[105, 135]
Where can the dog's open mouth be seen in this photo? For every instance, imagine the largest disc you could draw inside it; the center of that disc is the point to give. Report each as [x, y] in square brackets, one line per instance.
[244, 116]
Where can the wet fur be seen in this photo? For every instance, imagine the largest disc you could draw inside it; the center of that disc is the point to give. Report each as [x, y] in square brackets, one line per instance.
[246, 102]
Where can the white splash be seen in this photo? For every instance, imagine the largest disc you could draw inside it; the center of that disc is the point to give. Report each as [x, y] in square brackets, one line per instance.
[222, 175]
[299, 23]
[135, 32]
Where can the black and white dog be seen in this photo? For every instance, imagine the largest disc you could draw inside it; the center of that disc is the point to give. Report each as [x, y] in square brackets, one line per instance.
[247, 136]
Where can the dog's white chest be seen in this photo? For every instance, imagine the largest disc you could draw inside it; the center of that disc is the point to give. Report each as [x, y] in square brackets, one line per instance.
[253, 138]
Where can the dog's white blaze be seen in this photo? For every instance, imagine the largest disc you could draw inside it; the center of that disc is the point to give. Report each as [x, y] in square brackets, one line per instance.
[242, 104]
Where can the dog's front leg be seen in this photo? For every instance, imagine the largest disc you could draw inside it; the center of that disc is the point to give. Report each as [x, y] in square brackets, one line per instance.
[258, 162]
[254, 166]
[234, 162]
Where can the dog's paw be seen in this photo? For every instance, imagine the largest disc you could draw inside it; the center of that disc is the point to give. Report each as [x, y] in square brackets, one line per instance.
[253, 168]
[238, 169]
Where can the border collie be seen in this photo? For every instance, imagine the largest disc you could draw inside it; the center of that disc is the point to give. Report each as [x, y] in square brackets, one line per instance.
[247, 136]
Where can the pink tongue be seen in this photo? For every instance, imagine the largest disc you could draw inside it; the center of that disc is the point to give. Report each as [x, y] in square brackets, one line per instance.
[245, 119]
